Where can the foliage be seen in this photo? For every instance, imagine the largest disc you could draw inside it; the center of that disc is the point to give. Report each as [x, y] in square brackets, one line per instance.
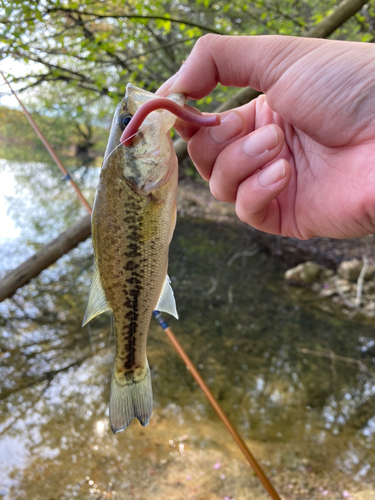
[99, 46]
[80, 54]
[77, 143]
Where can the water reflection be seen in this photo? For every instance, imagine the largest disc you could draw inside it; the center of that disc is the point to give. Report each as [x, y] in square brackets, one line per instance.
[308, 418]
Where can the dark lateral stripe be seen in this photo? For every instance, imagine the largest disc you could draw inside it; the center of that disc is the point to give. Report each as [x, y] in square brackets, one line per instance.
[132, 316]
[133, 284]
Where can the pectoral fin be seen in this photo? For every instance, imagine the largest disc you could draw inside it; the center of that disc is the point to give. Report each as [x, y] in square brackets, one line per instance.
[97, 303]
[167, 302]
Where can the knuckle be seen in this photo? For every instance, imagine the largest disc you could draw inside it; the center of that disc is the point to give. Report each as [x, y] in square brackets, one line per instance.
[215, 191]
[242, 214]
[206, 40]
[192, 152]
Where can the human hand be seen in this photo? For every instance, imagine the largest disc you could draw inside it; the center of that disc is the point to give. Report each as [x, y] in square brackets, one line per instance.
[300, 160]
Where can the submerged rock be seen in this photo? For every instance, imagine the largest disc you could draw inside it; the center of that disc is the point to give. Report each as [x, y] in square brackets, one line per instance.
[341, 287]
[328, 290]
[350, 269]
[344, 285]
[305, 273]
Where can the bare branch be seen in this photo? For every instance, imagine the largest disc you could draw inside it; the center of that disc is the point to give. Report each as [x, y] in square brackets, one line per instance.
[361, 278]
[45, 376]
[137, 16]
[342, 13]
[331, 355]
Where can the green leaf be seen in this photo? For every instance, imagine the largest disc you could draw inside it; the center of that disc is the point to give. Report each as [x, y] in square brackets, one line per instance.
[164, 24]
[38, 15]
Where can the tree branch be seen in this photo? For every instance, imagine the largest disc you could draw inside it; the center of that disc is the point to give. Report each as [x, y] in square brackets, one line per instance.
[165, 46]
[342, 13]
[37, 59]
[331, 355]
[45, 376]
[137, 16]
[42, 259]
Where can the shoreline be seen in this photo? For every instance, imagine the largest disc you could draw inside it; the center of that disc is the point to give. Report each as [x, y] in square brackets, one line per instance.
[195, 200]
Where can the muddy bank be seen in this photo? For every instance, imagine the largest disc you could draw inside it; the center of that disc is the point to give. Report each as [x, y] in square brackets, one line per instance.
[195, 200]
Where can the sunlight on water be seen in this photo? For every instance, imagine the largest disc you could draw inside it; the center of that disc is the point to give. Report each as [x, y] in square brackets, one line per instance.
[8, 228]
[310, 423]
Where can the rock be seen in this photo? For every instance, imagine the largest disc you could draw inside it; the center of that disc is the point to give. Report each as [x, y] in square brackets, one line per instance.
[370, 307]
[328, 290]
[316, 287]
[304, 273]
[370, 273]
[344, 285]
[350, 269]
[326, 274]
[369, 287]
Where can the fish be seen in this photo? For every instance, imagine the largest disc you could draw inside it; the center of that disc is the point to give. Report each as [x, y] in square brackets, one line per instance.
[133, 220]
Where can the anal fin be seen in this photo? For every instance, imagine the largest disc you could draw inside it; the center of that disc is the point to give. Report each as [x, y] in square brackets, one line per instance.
[167, 302]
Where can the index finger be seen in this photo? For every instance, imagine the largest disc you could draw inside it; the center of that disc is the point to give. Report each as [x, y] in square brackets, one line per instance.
[213, 60]
[237, 61]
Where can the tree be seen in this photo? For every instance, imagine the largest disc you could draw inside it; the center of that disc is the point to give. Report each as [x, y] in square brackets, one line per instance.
[96, 47]
[81, 54]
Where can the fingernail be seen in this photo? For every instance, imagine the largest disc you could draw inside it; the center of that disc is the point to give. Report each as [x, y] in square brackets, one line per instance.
[170, 85]
[272, 174]
[231, 125]
[262, 141]
[175, 85]
[166, 87]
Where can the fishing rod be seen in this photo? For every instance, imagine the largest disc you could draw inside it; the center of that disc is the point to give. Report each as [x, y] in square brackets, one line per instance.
[163, 323]
[49, 148]
[216, 406]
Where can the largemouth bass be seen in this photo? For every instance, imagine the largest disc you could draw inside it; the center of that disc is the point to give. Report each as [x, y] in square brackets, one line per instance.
[133, 220]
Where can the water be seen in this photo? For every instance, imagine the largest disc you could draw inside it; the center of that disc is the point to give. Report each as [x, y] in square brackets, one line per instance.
[308, 419]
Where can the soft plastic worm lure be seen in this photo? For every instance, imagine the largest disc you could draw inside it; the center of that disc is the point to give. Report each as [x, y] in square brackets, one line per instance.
[163, 103]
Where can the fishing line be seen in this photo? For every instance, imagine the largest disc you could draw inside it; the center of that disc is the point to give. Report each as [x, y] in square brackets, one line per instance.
[90, 337]
[121, 144]
[111, 330]
[113, 150]
[5, 94]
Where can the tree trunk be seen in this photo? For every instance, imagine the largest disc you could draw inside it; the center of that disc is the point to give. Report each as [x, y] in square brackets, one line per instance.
[42, 259]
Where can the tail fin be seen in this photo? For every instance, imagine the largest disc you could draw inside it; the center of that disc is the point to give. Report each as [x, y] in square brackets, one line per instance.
[131, 396]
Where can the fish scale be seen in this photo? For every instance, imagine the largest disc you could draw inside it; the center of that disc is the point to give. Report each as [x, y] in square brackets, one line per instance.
[131, 289]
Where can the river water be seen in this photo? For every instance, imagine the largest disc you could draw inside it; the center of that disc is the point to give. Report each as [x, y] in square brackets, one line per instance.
[308, 418]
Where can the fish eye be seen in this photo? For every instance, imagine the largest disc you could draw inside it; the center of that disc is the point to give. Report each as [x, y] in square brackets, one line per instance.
[123, 120]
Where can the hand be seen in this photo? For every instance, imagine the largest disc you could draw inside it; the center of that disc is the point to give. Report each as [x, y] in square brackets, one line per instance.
[300, 160]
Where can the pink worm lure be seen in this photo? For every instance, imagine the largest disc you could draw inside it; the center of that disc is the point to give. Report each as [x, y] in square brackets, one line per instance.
[164, 103]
